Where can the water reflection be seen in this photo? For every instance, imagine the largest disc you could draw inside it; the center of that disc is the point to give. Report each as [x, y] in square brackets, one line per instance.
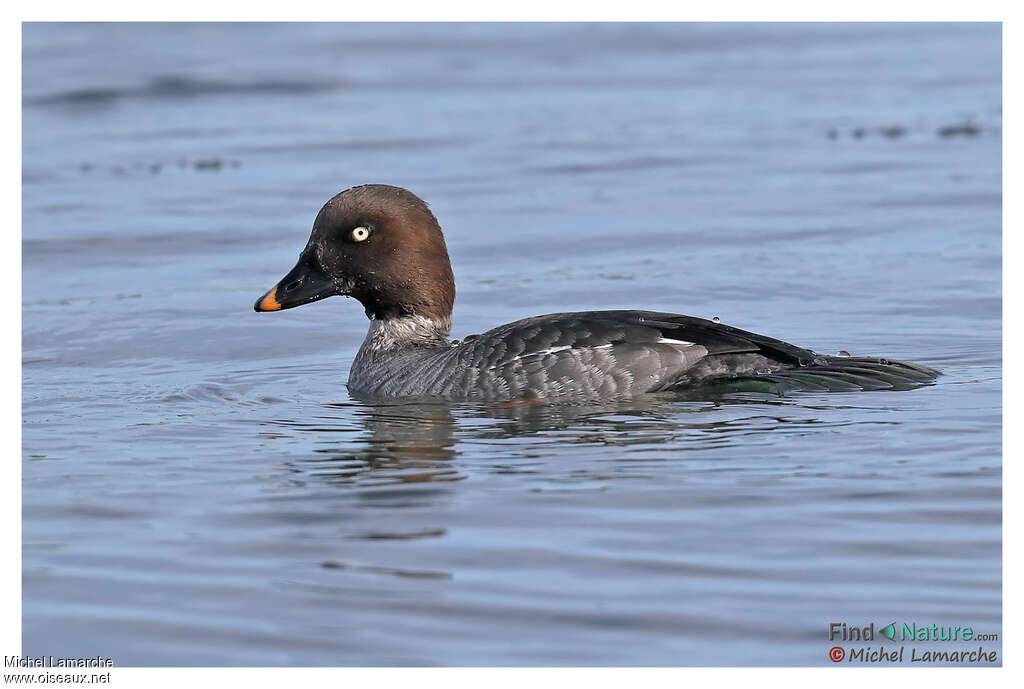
[379, 445]
[411, 443]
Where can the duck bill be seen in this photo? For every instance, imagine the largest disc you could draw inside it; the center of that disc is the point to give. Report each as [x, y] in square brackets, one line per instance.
[305, 283]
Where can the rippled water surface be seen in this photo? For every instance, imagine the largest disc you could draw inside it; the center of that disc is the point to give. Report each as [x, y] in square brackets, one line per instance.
[198, 487]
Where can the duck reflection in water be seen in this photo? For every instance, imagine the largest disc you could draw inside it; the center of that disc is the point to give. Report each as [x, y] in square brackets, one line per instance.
[418, 443]
[407, 443]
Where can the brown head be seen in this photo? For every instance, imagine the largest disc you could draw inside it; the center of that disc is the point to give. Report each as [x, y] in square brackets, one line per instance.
[379, 244]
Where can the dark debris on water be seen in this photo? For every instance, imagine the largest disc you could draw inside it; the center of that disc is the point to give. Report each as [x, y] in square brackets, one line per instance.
[962, 129]
[212, 164]
[897, 131]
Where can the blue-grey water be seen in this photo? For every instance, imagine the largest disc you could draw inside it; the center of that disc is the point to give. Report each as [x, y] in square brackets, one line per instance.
[199, 489]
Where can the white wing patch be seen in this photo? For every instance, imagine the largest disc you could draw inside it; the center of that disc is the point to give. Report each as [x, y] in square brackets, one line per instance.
[562, 348]
[549, 350]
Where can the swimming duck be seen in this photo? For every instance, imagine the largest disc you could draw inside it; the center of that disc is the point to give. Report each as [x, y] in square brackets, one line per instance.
[382, 245]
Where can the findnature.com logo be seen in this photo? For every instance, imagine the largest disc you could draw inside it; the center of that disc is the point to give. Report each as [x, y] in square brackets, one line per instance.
[899, 632]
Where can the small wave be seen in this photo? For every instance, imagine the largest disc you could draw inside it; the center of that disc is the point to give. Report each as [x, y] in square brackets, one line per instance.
[630, 164]
[178, 86]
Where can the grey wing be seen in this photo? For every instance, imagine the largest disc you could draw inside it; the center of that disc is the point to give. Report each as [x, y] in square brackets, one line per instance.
[594, 354]
[616, 354]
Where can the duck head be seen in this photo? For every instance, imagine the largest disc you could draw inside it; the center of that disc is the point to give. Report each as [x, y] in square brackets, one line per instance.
[379, 244]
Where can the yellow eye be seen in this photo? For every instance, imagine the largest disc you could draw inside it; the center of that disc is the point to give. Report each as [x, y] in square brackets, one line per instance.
[360, 234]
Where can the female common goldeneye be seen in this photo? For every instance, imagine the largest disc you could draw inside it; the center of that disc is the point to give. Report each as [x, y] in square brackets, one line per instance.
[382, 245]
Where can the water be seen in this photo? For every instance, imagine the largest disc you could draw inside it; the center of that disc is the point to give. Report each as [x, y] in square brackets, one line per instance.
[198, 488]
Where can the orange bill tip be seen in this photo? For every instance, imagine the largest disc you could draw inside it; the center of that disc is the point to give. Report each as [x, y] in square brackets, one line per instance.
[269, 301]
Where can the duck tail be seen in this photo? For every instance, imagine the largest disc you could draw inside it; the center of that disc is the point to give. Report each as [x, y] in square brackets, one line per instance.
[849, 373]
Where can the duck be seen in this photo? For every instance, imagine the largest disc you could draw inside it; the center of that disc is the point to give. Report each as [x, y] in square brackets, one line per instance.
[383, 246]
